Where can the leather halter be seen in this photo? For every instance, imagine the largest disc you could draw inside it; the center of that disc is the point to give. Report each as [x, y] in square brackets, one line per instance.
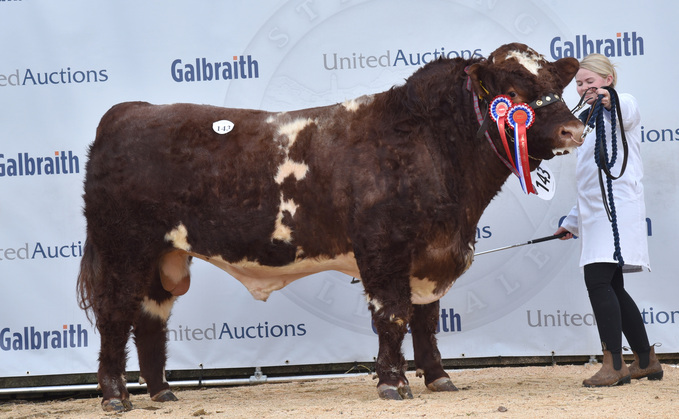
[545, 100]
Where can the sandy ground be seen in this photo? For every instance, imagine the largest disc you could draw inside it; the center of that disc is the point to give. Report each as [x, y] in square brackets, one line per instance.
[517, 392]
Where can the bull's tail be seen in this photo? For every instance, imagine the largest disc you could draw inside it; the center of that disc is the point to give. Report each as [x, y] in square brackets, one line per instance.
[87, 278]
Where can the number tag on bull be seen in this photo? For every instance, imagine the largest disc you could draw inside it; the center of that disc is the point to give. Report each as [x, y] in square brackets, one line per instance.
[544, 182]
[222, 127]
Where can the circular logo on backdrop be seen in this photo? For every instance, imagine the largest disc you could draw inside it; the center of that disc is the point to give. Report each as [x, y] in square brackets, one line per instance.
[313, 54]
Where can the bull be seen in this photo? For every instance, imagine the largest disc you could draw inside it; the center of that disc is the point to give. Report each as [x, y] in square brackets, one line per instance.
[387, 188]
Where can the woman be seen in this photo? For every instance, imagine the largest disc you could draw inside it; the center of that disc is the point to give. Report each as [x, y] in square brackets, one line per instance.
[615, 311]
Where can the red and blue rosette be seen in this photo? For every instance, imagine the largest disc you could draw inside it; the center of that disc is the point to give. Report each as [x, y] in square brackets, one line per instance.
[499, 107]
[521, 117]
[498, 110]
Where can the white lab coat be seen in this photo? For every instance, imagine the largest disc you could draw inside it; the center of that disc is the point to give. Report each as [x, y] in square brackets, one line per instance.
[588, 219]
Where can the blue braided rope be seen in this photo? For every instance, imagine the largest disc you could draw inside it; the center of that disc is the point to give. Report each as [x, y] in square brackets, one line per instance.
[601, 138]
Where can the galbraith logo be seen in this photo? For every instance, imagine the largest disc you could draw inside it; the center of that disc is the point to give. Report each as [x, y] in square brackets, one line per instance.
[62, 163]
[242, 67]
[41, 78]
[30, 339]
[389, 58]
[623, 44]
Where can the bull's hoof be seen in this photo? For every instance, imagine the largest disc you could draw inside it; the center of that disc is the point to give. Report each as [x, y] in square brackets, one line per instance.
[116, 405]
[388, 392]
[165, 396]
[442, 384]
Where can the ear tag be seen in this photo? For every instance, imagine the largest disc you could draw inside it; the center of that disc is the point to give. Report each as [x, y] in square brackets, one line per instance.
[222, 127]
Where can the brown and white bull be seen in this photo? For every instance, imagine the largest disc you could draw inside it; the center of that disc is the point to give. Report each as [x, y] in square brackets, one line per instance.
[387, 188]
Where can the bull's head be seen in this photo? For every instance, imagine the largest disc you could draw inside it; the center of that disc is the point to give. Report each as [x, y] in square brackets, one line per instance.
[517, 71]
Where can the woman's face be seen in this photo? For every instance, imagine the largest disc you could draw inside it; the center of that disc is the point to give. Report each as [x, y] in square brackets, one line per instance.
[586, 79]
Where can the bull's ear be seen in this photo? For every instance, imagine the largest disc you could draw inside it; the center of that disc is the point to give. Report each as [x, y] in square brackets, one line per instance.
[476, 73]
[566, 69]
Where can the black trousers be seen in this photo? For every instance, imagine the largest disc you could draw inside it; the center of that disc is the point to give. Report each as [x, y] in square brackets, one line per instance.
[615, 311]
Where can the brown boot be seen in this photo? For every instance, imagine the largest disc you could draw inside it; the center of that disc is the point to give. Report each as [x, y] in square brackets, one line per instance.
[608, 375]
[653, 371]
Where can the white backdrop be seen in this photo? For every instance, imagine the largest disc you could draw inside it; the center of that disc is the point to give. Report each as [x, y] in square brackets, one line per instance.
[64, 63]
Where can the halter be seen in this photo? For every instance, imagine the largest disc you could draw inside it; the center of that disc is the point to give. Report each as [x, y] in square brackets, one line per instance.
[517, 117]
[595, 117]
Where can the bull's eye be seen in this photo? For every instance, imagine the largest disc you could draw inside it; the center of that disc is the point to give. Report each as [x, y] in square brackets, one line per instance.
[512, 94]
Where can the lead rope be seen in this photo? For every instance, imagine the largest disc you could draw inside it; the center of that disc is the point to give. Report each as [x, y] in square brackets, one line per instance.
[604, 164]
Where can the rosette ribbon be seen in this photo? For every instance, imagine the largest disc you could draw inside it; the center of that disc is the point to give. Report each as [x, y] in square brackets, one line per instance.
[521, 117]
[499, 108]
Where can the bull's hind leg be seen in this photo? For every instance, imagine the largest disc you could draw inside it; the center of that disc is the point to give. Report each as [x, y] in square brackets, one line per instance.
[150, 328]
[150, 336]
[115, 308]
[111, 374]
[427, 356]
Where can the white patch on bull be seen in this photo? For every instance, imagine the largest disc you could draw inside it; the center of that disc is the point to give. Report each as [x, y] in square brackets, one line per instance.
[293, 128]
[287, 135]
[179, 238]
[262, 280]
[422, 291]
[281, 231]
[162, 311]
[373, 303]
[273, 118]
[470, 256]
[563, 150]
[531, 60]
[288, 168]
[353, 104]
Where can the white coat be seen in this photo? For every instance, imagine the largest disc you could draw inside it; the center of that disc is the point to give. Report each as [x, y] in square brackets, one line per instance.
[588, 219]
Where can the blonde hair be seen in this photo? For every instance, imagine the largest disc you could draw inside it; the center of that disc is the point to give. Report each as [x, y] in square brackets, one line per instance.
[601, 65]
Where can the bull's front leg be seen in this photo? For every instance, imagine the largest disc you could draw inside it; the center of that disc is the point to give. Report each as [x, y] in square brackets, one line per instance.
[427, 356]
[383, 254]
[390, 317]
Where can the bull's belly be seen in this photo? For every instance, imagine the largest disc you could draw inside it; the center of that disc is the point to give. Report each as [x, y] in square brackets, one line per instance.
[261, 280]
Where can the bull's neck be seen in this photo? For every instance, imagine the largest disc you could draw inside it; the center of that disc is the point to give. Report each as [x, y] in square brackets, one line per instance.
[482, 170]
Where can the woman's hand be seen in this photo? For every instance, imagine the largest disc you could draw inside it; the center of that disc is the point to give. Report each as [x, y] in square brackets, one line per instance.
[560, 230]
[606, 100]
